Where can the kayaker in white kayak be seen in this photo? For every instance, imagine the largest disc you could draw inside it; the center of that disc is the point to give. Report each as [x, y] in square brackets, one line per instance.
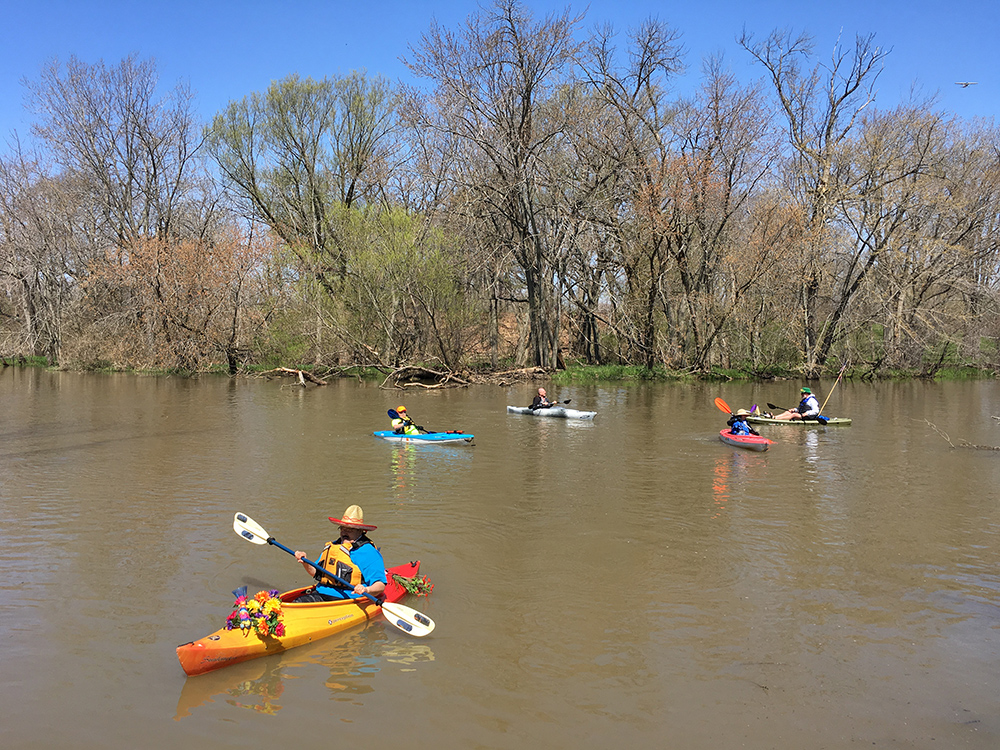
[403, 425]
[738, 424]
[353, 557]
[808, 408]
[541, 401]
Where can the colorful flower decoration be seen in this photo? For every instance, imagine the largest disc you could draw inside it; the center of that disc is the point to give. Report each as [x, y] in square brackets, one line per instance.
[262, 613]
[418, 585]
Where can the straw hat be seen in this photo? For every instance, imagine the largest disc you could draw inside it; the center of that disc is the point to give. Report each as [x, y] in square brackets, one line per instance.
[742, 413]
[353, 517]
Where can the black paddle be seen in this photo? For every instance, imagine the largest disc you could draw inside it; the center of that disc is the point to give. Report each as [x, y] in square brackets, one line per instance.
[533, 408]
[393, 414]
[819, 417]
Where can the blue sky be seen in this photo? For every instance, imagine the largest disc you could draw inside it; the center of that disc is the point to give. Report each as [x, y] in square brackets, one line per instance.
[227, 49]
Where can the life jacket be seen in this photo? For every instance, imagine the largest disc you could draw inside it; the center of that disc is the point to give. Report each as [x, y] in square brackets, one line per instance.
[809, 403]
[740, 427]
[336, 558]
[404, 426]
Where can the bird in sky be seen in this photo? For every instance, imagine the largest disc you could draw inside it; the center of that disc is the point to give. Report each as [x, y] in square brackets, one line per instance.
[966, 84]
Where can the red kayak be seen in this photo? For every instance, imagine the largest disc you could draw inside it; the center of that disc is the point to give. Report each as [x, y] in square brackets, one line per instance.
[750, 442]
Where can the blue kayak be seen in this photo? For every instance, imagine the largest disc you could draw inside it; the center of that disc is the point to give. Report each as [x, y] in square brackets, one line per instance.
[430, 437]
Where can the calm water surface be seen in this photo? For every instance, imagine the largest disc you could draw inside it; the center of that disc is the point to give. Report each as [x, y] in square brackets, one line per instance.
[612, 583]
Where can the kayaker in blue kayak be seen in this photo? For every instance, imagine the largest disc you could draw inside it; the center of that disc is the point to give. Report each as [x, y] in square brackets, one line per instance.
[403, 425]
[541, 401]
[808, 408]
[738, 424]
[353, 557]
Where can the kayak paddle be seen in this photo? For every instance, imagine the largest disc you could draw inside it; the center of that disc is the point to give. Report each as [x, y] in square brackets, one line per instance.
[556, 403]
[723, 406]
[408, 620]
[393, 414]
[819, 418]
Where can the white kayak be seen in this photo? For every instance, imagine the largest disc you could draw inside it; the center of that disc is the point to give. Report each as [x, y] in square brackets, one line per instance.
[552, 411]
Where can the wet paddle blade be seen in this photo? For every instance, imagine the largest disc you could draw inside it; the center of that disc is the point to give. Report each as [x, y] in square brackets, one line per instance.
[249, 529]
[408, 620]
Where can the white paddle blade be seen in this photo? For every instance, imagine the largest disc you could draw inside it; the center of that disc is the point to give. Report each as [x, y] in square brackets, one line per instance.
[249, 529]
[408, 620]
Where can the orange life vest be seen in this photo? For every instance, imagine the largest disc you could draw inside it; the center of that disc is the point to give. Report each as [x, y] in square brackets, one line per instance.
[337, 559]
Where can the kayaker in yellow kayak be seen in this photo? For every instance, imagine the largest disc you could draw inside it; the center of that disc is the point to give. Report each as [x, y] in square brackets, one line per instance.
[402, 424]
[353, 557]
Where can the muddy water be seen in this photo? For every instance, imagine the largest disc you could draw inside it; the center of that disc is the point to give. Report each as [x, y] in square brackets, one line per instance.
[609, 583]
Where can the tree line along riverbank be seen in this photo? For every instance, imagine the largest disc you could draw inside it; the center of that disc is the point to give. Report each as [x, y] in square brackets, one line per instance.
[604, 225]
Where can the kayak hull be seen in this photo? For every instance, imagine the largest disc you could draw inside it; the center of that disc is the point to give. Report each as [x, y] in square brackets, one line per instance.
[553, 411]
[801, 422]
[430, 437]
[304, 623]
[750, 442]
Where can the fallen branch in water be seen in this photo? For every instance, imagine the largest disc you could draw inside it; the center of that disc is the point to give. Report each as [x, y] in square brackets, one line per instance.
[961, 443]
[302, 375]
[411, 376]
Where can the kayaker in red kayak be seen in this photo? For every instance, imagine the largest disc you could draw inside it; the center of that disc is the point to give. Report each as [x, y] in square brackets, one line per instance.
[738, 424]
[353, 557]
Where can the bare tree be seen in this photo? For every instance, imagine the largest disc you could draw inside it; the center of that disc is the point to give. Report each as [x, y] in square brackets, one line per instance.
[41, 261]
[495, 80]
[636, 112]
[135, 153]
[821, 107]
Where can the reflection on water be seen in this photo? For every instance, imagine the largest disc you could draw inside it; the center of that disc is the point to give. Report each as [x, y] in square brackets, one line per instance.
[347, 663]
[415, 469]
[730, 471]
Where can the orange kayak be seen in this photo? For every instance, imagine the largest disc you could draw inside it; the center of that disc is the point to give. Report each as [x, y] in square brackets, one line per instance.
[304, 623]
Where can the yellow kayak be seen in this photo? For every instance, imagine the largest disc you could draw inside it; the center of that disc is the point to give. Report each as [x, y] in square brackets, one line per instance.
[303, 623]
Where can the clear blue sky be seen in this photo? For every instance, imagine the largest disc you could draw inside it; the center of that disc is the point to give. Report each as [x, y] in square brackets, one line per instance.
[226, 49]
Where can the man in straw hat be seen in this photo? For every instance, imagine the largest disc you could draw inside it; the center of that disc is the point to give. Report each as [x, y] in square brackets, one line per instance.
[353, 557]
[808, 407]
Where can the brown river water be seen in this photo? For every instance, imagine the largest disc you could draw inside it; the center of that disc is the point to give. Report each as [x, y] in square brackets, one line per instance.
[625, 582]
